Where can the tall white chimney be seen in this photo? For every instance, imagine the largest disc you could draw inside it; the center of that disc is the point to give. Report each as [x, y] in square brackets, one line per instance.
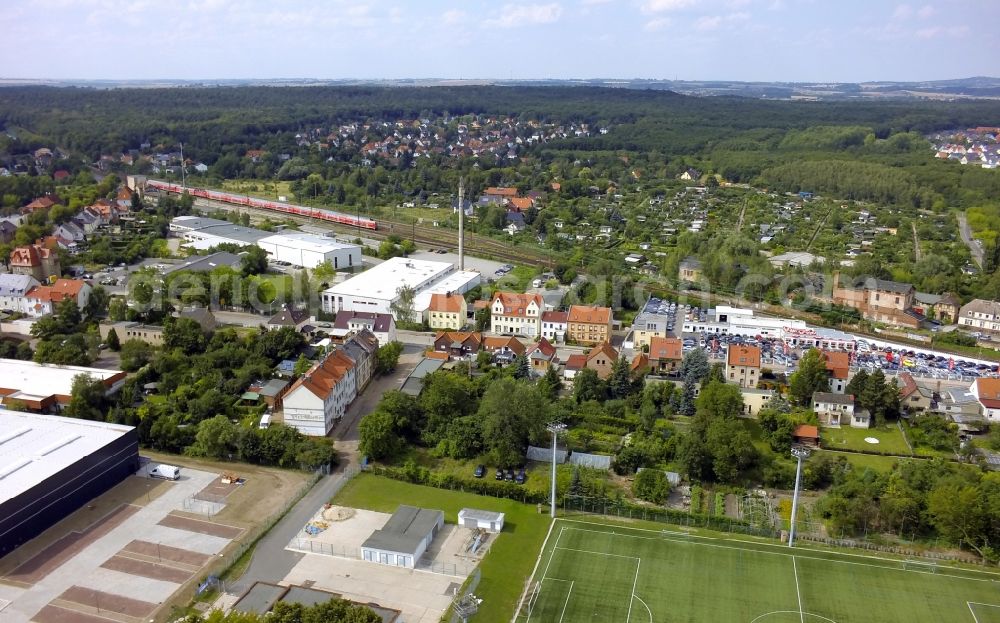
[461, 224]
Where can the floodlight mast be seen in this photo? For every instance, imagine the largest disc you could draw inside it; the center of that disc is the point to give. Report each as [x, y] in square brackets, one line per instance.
[555, 428]
[800, 453]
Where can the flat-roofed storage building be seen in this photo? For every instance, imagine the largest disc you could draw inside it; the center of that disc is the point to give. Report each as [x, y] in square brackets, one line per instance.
[50, 466]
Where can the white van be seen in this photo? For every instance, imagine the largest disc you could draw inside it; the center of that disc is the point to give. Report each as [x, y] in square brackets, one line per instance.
[537, 283]
[166, 472]
[265, 420]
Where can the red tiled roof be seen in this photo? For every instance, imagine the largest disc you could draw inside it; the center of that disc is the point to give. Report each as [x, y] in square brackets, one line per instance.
[515, 304]
[62, 289]
[498, 343]
[669, 348]
[744, 356]
[988, 391]
[806, 430]
[576, 362]
[449, 303]
[603, 348]
[460, 337]
[501, 191]
[838, 364]
[521, 203]
[559, 317]
[590, 314]
[544, 347]
[640, 362]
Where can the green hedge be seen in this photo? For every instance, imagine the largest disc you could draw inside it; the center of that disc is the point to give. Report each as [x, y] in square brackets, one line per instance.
[485, 486]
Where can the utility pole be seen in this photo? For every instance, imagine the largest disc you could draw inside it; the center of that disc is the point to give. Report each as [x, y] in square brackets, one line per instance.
[800, 453]
[555, 428]
[461, 223]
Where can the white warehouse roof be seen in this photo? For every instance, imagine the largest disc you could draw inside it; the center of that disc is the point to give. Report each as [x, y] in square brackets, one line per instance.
[385, 279]
[35, 447]
[25, 379]
[307, 242]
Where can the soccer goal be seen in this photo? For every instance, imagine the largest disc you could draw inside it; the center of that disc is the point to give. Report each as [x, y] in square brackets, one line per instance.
[530, 597]
[924, 566]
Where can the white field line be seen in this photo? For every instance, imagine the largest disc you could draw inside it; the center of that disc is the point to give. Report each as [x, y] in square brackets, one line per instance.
[798, 593]
[767, 553]
[566, 603]
[587, 551]
[534, 571]
[972, 612]
[996, 576]
[552, 555]
[977, 603]
[646, 606]
[631, 601]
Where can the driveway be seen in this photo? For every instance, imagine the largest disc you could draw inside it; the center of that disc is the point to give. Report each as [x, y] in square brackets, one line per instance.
[966, 232]
[271, 561]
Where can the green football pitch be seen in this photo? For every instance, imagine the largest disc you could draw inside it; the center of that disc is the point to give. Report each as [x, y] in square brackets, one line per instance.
[600, 573]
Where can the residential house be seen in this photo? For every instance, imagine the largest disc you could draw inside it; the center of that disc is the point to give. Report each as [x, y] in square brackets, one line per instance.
[320, 397]
[503, 349]
[806, 435]
[914, 397]
[297, 319]
[517, 314]
[646, 326]
[833, 409]
[13, 289]
[588, 324]
[35, 260]
[542, 356]
[69, 231]
[838, 369]
[889, 302]
[665, 355]
[690, 175]
[754, 400]
[987, 392]
[498, 195]
[362, 347]
[447, 311]
[943, 308]
[42, 300]
[640, 364]
[554, 325]
[743, 365]
[601, 359]
[202, 315]
[981, 315]
[458, 344]
[382, 325]
[690, 270]
[574, 364]
[41, 203]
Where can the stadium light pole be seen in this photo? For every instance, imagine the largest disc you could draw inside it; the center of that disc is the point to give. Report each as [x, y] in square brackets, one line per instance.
[555, 428]
[800, 453]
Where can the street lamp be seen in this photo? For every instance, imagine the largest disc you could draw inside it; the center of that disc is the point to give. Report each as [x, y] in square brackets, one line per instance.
[800, 453]
[555, 428]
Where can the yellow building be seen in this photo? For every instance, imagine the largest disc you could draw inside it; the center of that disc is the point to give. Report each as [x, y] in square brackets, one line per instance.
[447, 311]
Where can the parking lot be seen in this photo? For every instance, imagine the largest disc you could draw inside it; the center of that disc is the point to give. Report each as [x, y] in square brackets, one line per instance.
[117, 559]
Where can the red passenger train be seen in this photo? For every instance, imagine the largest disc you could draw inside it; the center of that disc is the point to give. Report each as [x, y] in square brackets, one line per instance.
[264, 204]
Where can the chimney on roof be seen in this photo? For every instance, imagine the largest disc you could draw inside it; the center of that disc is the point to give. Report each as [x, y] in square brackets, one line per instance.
[461, 223]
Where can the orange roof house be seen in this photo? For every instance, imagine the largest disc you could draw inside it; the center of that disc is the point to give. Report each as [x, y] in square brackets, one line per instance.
[448, 303]
[588, 324]
[500, 192]
[601, 358]
[521, 204]
[744, 356]
[665, 354]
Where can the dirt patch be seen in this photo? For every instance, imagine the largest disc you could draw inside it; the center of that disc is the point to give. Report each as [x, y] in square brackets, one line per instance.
[55, 614]
[338, 513]
[266, 491]
[147, 569]
[100, 600]
[180, 522]
[53, 556]
[218, 491]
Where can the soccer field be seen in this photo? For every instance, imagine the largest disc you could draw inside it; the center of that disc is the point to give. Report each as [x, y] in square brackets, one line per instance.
[600, 573]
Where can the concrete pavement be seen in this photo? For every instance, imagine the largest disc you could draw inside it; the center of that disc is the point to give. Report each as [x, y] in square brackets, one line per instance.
[966, 232]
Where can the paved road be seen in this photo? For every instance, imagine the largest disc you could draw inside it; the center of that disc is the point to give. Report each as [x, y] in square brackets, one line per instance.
[916, 241]
[966, 233]
[271, 561]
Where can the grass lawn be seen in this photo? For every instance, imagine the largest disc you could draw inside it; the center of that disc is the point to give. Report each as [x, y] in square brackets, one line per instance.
[847, 438]
[591, 571]
[510, 559]
[265, 189]
[870, 461]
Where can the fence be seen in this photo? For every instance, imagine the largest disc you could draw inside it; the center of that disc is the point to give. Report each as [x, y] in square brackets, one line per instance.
[311, 546]
[201, 506]
[465, 603]
[613, 508]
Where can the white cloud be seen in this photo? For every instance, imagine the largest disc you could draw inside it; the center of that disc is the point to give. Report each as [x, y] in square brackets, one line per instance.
[708, 22]
[513, 15]
[926, 11]
[903, 11]
[942, 31]
[595, 2]
[657, 24]
[660, 6]
[453, 16]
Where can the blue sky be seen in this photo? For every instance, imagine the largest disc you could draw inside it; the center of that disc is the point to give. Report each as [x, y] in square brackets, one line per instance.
[786, 40]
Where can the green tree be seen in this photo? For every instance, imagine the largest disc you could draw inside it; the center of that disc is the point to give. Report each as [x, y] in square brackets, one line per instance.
[550, 384]
[522, 369]
[695, 364]
[302, 365]
[217, 438]
[651, 485]
[810, 377]
[87, 400]
[587, 385]
[511, 413]
[719, 400]
[185, 334]
[620, 384]
[135, 354]
[253, 261]
[324, 273]
[387, 357]
[402, 307]
[112, 341]
[483, 318]
[97, 303]
[378, 437]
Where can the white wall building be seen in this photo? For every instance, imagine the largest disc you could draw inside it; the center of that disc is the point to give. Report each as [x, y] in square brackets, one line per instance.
[404, 538]
[310, 250]
[320, 397]
[13, 289]
[376, 289]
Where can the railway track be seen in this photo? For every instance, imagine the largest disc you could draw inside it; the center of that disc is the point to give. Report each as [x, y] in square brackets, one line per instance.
[432, 237]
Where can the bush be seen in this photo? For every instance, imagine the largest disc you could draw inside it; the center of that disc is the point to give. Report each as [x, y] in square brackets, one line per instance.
[651, 485]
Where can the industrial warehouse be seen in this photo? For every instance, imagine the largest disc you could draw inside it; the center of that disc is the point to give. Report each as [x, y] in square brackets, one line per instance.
[50, 466]
[295, 248]
[377, 289]
[44, 387]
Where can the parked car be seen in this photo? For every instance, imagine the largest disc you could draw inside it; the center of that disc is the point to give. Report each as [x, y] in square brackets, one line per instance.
[510, 475]
[499, 474]
[521, 477]
[480, 471]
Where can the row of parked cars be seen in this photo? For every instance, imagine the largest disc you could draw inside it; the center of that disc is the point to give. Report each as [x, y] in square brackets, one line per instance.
[510, 475]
